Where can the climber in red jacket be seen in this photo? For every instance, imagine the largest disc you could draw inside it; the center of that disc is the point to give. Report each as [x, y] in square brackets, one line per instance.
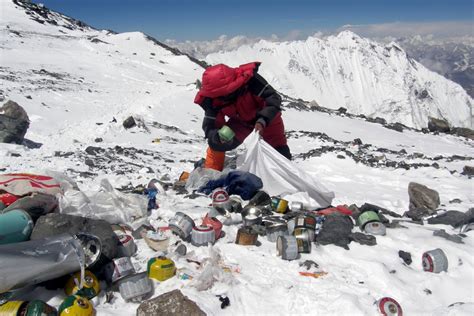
[249, 103]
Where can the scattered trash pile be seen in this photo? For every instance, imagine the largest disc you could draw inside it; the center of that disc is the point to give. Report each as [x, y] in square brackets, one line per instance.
[44, 243]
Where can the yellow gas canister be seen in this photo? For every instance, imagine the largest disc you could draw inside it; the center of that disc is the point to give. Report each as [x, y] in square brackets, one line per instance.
[77, 306]
[90, 289]
[279, 205]
[13, 308]
[161, 268]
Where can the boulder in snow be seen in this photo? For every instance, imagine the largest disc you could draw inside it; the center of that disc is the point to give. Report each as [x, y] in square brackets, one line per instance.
[468, 171]
[423, 200]
[129, 122]
[406, 257]
[171, 303]
[14, 123]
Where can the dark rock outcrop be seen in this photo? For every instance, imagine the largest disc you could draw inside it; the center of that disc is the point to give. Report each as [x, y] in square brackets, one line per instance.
[437, 125]
[342, 110]
[453, 218]
[396, 127]
[464, 132]
[363, 239]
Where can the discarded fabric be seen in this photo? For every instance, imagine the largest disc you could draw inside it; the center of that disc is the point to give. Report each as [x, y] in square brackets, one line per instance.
[240, 183]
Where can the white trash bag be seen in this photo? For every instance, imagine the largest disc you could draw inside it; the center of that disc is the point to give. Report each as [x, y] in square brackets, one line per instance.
[279, 175]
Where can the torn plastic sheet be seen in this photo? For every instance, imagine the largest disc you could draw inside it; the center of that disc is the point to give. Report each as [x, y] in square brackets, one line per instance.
[35, 261]
[201, 176]
[213, 272]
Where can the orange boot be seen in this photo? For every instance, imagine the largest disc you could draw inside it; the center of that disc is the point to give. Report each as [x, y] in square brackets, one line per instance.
[214, 159]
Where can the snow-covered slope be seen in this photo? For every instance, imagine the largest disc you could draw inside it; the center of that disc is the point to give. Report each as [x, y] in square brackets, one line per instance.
[358, 74]
[76, 75]
[78, 84]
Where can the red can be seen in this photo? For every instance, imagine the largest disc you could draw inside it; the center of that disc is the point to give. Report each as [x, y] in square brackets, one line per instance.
[214, 223]
[389, 307]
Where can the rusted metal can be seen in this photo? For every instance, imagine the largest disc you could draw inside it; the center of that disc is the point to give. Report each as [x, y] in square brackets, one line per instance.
[304, 239]
[246, 236]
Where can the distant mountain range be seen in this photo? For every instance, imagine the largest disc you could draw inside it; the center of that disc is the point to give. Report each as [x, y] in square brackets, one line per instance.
[359, 74]
[452, 58]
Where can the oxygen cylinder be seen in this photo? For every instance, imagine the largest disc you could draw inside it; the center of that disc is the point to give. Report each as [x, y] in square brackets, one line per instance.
[15, 226]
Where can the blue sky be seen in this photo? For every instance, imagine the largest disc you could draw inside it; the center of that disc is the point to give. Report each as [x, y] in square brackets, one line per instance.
[207, 19]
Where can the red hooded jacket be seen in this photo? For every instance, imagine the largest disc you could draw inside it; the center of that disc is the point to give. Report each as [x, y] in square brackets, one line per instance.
[254, 99]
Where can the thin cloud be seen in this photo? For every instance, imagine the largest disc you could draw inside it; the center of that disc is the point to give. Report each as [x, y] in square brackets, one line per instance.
[405, 29]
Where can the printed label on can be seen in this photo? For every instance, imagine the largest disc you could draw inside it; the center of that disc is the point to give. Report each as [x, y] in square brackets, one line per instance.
[121, 268]
[12, 308]
[389, 307]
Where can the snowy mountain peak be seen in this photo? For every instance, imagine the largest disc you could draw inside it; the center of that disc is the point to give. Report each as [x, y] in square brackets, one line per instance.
[348, 35]
[359, 74]
[36, 18]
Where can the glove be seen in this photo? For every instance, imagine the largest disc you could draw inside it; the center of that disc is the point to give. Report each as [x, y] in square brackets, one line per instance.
[260, 125]
[215, 142]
